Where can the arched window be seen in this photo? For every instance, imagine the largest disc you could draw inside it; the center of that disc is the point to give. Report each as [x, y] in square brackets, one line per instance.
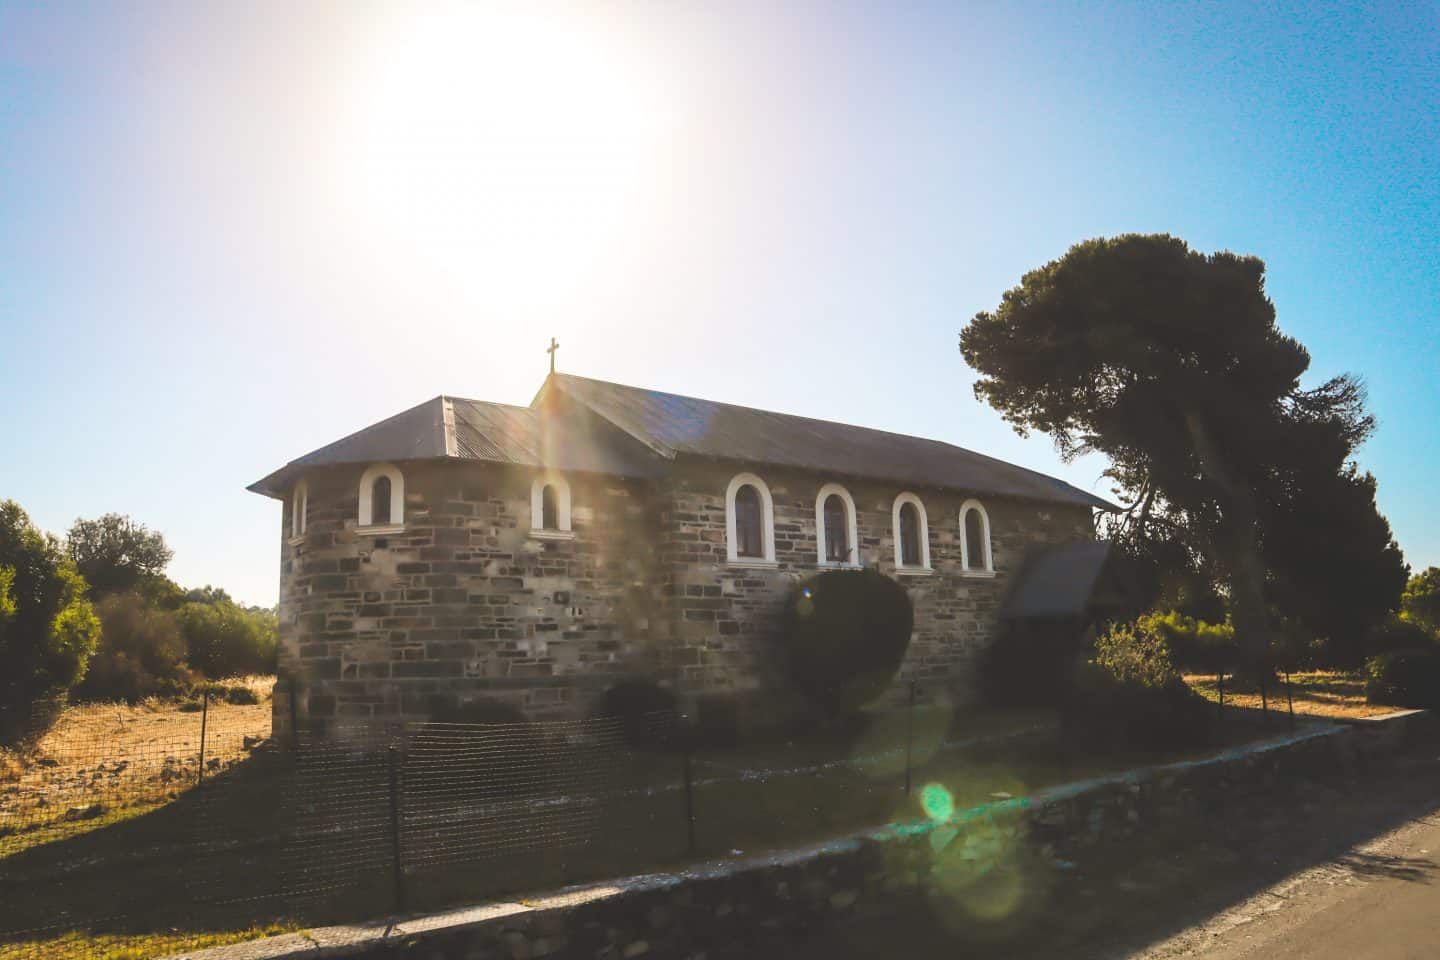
[835, 533]
[912, 533]
[382, 499]
[550, 507]
[299, 506]
[975, 552]
[549, 511]
[749, 521]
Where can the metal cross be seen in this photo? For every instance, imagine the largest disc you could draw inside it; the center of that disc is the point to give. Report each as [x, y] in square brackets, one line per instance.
[554, 345]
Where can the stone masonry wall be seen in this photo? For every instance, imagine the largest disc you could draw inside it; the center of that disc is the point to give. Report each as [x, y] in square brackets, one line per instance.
[464, 603]
[723, 615]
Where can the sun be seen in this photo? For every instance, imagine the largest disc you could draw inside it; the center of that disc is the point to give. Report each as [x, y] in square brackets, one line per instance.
[513, 149]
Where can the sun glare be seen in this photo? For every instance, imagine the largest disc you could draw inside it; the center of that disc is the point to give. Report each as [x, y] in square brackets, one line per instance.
[514, 149]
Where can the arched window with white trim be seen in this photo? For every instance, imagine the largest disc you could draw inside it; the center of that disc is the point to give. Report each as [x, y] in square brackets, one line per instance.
[550, 507]
[836, 540]
[749, 521]
[299, 507]
[912, 533]
[382, 498]
[975, 553]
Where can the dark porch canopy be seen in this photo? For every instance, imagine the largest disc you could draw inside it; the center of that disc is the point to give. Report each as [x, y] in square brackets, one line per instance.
[1073, 581]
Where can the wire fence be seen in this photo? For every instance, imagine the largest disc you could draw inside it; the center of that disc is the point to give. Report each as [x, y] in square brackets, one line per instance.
[121, 831]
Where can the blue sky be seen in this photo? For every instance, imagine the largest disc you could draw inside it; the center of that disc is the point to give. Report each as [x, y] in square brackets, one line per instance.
[230, 233]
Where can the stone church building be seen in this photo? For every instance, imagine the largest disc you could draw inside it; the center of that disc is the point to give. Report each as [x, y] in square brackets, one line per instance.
[465, 550]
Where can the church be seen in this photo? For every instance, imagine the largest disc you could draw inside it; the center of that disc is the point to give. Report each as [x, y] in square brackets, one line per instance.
[465, 551]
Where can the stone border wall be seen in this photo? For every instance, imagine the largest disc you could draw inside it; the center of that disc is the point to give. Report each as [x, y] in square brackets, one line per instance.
[724, 904]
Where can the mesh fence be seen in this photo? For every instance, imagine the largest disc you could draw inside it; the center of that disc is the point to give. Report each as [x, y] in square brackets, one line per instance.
[116, 839]
[142, 832]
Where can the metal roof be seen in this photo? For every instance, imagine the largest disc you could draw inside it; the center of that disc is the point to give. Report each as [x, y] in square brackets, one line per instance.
[1056, 581]
[594, 426]
[673, 425]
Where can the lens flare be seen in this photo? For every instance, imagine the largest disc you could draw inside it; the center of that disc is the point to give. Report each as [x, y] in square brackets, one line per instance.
[939, 805]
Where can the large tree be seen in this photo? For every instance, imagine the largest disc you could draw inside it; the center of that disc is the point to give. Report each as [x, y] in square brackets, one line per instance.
[115, 554]
[1170, 363]
[48, 629]
[1421, 600]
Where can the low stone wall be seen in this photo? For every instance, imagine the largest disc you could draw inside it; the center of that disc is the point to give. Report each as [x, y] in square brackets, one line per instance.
[726, 904]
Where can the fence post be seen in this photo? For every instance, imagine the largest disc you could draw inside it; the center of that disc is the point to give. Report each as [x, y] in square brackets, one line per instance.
[398, 875]
[909, 735]
[689, 802]
[204, 719]
[1290, 700]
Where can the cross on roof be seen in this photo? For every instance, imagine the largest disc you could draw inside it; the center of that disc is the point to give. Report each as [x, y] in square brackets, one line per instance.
[554, 345]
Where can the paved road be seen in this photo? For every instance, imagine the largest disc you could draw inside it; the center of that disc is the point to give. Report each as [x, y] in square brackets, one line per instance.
[1337, 871]
[1378, 900]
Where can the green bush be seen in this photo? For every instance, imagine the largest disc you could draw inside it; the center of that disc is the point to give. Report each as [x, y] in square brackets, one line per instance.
[1031, 664]
[48, 628]
[1129, 697]
[223, 639]
[141, 653]
[844, 634]
[646, 712]
[1397, 634]
[1195, 645]
[1404, 678]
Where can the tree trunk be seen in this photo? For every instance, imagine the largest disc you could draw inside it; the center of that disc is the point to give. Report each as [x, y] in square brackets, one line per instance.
[1240, 553]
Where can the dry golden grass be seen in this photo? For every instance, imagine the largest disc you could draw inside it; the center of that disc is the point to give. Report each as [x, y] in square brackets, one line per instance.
[101, 760]
[1318, 693]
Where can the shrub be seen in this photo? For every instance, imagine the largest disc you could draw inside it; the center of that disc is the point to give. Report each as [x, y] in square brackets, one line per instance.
[1195, 645]
[1404, 678]
[223, 639]
[1031, 664]
[645, 710]
[48, 628]
[1397, 634]
[141, 653]
[1130, 696]
[844, 634]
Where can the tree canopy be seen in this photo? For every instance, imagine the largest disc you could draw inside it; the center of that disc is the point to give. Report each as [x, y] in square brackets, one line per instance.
[114, 553]
[1421, 601]
[1170, 363]
[48, 629]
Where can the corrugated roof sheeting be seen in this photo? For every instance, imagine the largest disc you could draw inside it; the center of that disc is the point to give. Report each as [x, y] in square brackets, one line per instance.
[673, 424]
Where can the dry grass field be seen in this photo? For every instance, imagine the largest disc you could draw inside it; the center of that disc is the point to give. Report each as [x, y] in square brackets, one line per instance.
[1319, 693]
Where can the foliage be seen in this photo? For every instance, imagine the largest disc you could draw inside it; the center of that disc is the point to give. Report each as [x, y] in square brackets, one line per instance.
[646, 711]
[1397, 634]
[141, 652]
[1335, 568]
[48, 628]
[1195, 645]
[116, 554]
[1129, 696]
[1407, 678]
[223, 639]
[1031, 664]
[843, 635]
[1170, 363]
[1421, 599]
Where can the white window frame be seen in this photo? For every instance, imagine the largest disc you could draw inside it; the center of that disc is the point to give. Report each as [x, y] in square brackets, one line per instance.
[299, 507]
[562, 508]
[397, 499]
[919, 505]
[767, 522]
[967, 564]
[852, 529]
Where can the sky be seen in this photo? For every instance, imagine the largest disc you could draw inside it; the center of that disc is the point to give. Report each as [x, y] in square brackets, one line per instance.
[233, 232]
